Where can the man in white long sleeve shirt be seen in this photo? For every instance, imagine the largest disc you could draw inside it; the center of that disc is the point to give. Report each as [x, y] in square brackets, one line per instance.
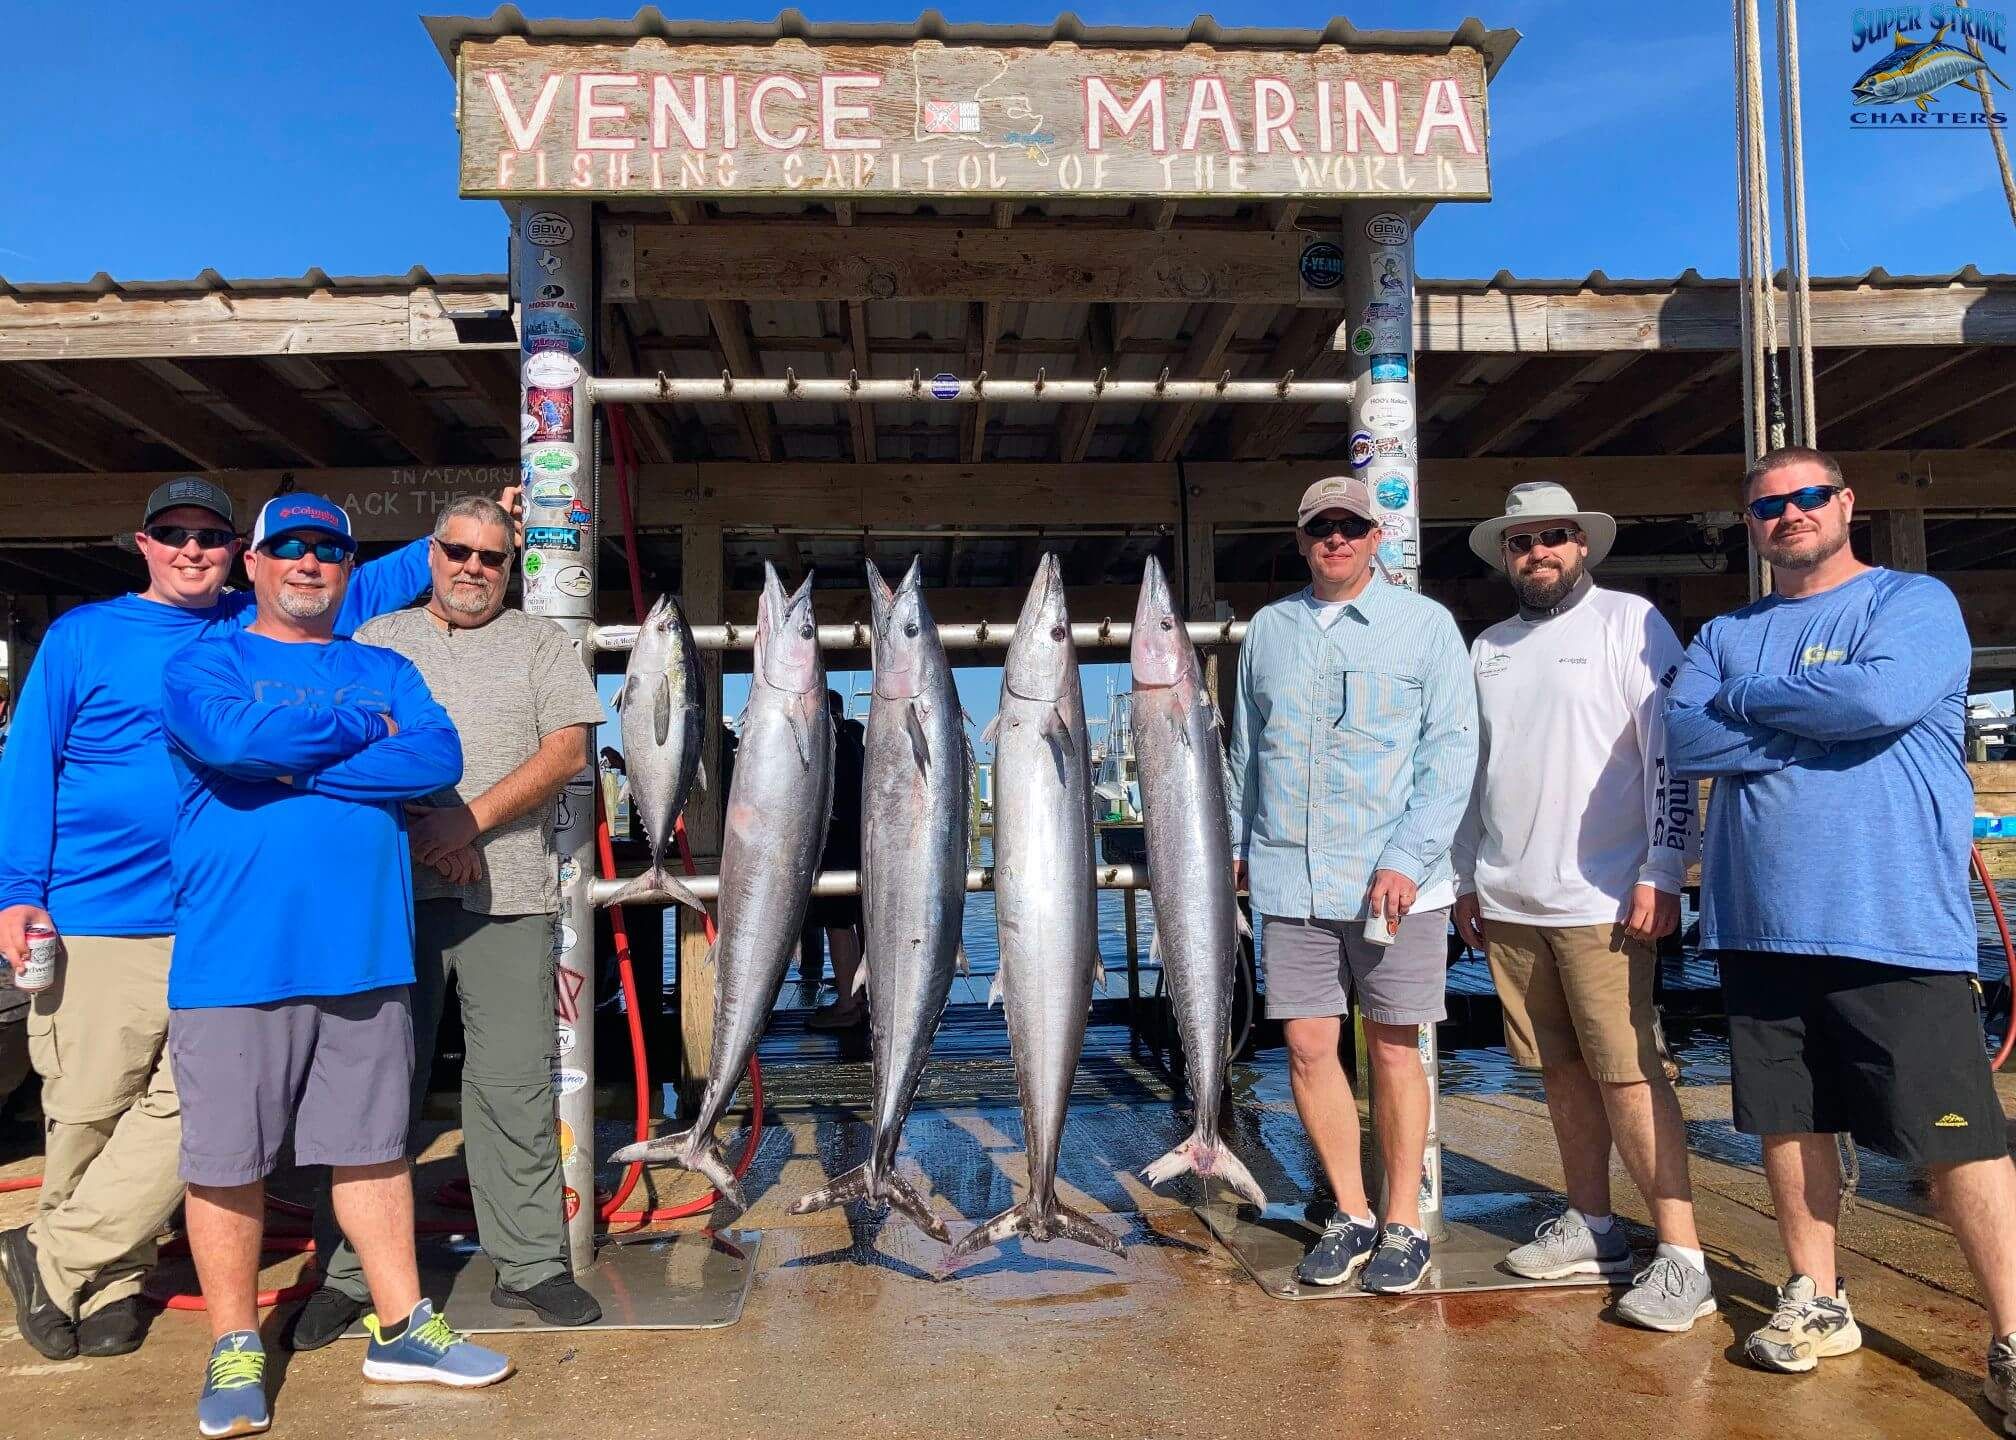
[1569, 866]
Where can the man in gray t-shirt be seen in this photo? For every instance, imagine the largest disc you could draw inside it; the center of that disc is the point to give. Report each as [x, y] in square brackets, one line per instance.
[486, 889]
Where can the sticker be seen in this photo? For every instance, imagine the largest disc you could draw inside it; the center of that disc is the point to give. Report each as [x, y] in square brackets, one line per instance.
[567, 988]
[526, 425]
[1362, 340]
[567, 1080]
[553, 369]
[563, 1036]
[945, 385]
[574, 580]
[1391, 555]
[565, 307]
[1392, 448]
[556, 492]
[582, 784]
[1387, 414]
[564, 936]
[1361, 449]
[1397, 527]
[578, 515]
[548, 261]
[552, 537]
[537, 587]
[553, 459]
[546, 227]
[1389, 275]
[1392, 491]
[545, 331]
[553, 409]
[570, 1201]
[566, 1138]
[1387, 320]
[569, 872]
[552, 292]
[1384, 368]
[1386, 228]
[1322, 265]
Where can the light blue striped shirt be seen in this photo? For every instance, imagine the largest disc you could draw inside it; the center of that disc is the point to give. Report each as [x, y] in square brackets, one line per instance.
[1353, 749]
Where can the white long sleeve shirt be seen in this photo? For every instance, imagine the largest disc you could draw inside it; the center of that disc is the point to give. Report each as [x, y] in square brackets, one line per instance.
[1574, 802]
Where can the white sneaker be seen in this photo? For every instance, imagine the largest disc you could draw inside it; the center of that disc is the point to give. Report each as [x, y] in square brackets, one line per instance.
[1566, 1246]
[1805, 1329]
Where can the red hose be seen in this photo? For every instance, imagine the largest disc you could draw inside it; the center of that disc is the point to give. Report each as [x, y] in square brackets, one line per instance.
[2008, 952]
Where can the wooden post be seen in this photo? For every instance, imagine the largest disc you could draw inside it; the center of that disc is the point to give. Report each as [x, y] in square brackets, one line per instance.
[1897, 539]
[700, 584]
[1133, 962]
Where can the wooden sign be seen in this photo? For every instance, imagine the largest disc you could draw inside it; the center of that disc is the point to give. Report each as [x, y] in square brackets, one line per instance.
[859, 121]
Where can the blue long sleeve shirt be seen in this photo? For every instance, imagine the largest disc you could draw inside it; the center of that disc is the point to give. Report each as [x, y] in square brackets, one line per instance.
[1833, 726]
[86, 791]
[292, 874]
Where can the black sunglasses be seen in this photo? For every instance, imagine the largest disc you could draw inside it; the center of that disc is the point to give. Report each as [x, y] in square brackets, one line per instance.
[1559, 535]
[1355, 527]
[176, 536]
[1806, 497]
[492, 559]
[293, 547]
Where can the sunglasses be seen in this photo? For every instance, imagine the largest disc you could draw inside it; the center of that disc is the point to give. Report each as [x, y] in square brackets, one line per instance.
[459, 554]
[1560, 535]
[1806, 497]
[1354, 527]
[293, 547]
[176, 536]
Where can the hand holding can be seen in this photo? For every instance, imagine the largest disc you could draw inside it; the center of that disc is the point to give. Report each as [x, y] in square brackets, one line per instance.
[38, 972]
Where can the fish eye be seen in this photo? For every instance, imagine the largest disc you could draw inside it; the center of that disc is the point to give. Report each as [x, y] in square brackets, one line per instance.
[1168, 623]
[805, 632]
[1058, 632]
[910, 629]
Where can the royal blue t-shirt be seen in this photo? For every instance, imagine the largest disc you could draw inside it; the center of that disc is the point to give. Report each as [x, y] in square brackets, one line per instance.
[291, 869]
[86, 792]
[1842, 814]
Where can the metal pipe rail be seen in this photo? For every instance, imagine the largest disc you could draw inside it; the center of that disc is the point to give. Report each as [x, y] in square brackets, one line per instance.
[952, 390]
[987, 634]
[848, 882]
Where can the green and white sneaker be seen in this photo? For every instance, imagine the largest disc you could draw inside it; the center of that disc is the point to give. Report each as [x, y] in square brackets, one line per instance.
[1805, 1329]
[1669, 1295]
[1566, 1246]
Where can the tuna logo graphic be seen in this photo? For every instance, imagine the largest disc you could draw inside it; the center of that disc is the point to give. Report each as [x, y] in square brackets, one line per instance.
[1914, 71]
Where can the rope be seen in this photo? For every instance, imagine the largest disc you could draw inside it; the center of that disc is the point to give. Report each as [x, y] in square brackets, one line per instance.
[1994, 131]
[1792, 150]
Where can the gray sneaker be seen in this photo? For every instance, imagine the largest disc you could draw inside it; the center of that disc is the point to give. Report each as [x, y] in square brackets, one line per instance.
[1999, 1389]
[1805, 1329]
[1669, 1294]
[1566, 1246]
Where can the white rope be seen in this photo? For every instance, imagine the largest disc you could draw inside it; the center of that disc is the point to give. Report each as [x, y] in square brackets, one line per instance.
[1994, 131]
[1792, 153]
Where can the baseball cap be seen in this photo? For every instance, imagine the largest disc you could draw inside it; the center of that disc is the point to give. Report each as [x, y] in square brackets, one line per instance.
[1338, 492]
[190, 490]
[288, 514]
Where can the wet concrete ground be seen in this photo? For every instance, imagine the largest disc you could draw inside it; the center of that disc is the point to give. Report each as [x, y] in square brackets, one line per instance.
[848, 1332]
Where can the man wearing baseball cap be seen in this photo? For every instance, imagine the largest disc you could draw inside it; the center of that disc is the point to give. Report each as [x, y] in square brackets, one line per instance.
[1353, 747]
[85, 784]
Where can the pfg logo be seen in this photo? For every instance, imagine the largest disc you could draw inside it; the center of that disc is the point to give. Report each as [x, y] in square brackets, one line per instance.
[1916, 51]
[1322, 265]
[546, 228]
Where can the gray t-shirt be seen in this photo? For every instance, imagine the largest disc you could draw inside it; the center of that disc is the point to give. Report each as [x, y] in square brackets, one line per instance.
[507, 685]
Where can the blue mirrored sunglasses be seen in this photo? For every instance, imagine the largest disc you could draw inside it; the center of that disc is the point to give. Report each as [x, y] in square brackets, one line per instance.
[293, 547]
[1806, 497]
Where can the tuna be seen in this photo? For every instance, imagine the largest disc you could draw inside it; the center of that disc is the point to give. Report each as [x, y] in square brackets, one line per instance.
[772, 833]
[916, 810]
[663, 721]
[1045, 899]
[1184, 796]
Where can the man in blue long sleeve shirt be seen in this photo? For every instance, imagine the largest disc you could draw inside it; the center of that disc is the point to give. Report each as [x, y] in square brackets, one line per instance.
[87, 790]
[1834, 887]
[295, 751]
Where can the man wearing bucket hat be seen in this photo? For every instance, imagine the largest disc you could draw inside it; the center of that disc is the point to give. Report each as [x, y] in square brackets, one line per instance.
[1569, 866]
[1353, 748]
[86, 848]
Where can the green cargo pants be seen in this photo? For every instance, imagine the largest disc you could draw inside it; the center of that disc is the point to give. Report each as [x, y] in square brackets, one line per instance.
[503, 969]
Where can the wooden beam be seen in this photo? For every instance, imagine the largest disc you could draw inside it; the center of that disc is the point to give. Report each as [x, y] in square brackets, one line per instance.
[177, 420]
[1898, 539]
[700, 586]
[1306, 347]
[399, 411]
[1439, 375]
[1873, 378]
[1106, 328]
[860, 418]
[1980, 375]
[1647, 384]
[1988, 422]
[730, 319]
[298, 422]
[1508, 402]
[983, 337]
[42, 415]
[22, 456]
[1204, 360]
[1999, 543]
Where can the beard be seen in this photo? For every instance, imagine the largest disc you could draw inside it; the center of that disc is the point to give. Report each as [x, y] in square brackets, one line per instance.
[1804, 552]
[1544, 588]
[465, 599]
[305, 604]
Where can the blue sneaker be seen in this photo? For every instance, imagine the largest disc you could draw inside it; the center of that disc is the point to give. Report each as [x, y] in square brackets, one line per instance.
[1400, 1262]
[1342, 1251]
[430, 1353]
[233, 1401]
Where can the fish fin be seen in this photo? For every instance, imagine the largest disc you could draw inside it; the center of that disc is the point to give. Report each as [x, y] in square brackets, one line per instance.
[994, 990]
[1011, 1221]
[1245, 925]
[1179, 730]
[856, 1184]
[993, 730]
[860, 976]
[1073, 1225]
[964, 718]
[920, 747]
[1057, 723]
[1098, 970]
[684, 1152]
[1204, 1159]
[1023, 1219]
[801, 731]
[903, 1196]
[960, 964]
[1155, 948]
[657, 883]
[700, 775]
[661, 708]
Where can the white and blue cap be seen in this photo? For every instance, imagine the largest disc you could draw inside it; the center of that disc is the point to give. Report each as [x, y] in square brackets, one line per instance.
[293, 514]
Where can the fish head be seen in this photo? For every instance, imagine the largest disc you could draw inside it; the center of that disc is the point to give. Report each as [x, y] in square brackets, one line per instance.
[904, 633]
[1041, 663]
[1161, 654]
[787, 637]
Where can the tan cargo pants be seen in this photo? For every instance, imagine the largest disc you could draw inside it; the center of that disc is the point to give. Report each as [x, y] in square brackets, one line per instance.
[98, 1038]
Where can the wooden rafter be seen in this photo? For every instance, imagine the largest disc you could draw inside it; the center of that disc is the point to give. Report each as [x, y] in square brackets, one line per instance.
[298, 422]
[1202, 361]
[1983, 375]
[983, 336]
[42, 415]
[1106, 328]
[1647, 384]
[730, 319]
[860, 418]
[1258, 432]
[175, 419]
[1508, 402]
[401, 412]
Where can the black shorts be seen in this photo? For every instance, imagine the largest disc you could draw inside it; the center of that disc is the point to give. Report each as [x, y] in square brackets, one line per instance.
[1893, 1056]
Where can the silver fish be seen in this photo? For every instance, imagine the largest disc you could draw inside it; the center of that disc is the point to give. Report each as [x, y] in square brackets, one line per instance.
[772, 834]
[663, 722]
[915, 814]
[1197, 921]
[1045, 900]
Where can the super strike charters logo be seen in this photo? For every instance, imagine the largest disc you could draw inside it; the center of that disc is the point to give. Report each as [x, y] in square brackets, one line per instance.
[1928, 67]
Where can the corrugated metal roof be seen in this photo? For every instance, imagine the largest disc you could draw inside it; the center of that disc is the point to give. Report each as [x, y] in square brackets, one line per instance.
[210, 282]
[449, 31]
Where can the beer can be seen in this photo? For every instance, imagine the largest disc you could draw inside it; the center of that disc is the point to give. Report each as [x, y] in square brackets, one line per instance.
[40, 971]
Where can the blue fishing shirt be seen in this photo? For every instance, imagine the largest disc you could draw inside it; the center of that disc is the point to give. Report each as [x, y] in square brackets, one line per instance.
[85, 785]
[1842, 814]
[292, 874]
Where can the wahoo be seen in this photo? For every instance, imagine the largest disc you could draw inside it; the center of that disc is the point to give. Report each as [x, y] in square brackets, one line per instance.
[1914, 72]
[663, 721]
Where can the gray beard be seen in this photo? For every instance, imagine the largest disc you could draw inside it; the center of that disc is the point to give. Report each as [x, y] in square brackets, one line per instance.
[1825, 551]
[1540, 593]
[305, 606]
[467, 602]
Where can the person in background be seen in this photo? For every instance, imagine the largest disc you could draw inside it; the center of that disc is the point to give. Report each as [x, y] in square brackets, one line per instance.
[1354, 741]
[839, 916]
[85, 849]
[294, 751]
[487, 892]
[1569, 866]
[1831, 716]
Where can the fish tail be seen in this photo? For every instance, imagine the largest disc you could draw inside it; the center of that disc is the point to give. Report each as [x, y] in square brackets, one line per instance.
[1060, 1222]
[902, 1195]
[888, 1188]
[657, 883]
[1205, 1158]
[856, 1184]
[688, 1151]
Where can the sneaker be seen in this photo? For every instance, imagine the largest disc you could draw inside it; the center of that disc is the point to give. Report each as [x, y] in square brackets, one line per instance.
[1669, 1294]
[1342, 1251]
[557, 1300]
[114, 1329]
[1999, 1389]
[40, 1320]
[429, 1352]
[233, 1401]
[1400, 1263]
[1566, 1246]
[837, 1016]
[1805, 1329]
[323, 1318]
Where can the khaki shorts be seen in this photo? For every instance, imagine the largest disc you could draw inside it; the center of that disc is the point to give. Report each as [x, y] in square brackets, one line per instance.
[1576, 992]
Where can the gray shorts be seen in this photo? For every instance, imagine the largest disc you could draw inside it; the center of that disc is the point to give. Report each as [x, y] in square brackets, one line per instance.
[1310, 966]
[338, 1067]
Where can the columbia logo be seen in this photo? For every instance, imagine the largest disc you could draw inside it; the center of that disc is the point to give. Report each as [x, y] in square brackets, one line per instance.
[1950, 1121]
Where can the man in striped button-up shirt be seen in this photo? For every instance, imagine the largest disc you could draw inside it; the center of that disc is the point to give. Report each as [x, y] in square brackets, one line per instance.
[1354, 744]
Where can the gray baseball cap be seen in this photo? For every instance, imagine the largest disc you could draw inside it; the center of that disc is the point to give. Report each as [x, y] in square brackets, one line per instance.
[190, 490]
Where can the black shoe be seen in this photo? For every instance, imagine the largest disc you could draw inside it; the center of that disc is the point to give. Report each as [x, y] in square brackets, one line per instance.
[556, 1300]
[323, 1318]
[117, 1329]
[41, 1322]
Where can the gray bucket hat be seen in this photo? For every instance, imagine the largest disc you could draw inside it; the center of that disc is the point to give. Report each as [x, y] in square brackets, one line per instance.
[1542, 500]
